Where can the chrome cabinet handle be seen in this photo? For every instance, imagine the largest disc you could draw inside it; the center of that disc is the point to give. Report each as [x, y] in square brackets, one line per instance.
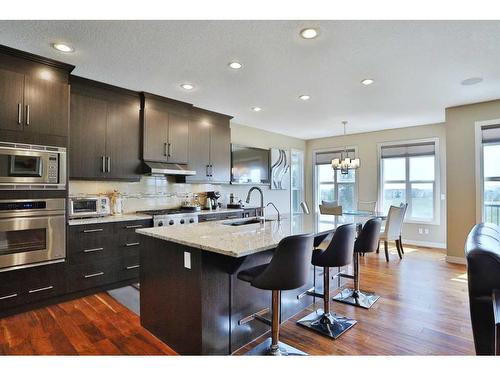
[92, 230]
[28, 114]
[93, 275]
[232, 217]
[208, 174]
[108, 158]
[92, 250]
[165, 152]
[19, 116]
[8, 296]
[168, 150]
[41, 289]
[132, 244]
[132, 267]
[103, 166]
[212, 219]
[134, 226]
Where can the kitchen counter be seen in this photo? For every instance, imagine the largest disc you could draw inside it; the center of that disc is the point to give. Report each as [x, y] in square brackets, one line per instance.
[109, 219]
[243, 240]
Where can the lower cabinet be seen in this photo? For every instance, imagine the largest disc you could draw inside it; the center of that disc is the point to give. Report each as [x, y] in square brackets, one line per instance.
[109, 255]
[220, 216]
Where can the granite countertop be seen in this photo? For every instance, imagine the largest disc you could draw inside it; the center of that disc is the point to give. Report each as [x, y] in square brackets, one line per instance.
[109, 219]
[239, 241]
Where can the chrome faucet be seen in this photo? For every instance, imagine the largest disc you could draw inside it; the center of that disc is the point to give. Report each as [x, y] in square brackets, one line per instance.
[276, 208]
[261, 198]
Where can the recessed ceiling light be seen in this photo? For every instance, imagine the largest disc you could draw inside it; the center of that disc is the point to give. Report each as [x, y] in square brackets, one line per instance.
[367, 81]
[304, 97]
[471, 81]
[61, 47]
[309, 33]
[256, 109]
[235, 65]
[187, 86]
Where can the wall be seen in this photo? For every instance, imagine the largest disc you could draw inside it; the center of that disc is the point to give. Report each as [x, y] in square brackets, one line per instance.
[367, 145]
[461, 169]
[161, 192]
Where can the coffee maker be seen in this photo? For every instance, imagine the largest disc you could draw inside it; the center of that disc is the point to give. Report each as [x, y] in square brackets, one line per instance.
[212, 200]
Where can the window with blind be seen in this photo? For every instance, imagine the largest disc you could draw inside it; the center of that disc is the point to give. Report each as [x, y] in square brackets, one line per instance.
[490, 136]
[333, 185]
[408, 175]
[297, 183]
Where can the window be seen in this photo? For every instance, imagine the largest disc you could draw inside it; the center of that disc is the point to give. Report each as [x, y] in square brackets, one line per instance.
[333, 185]
[408, 175]
[297, 183]
[491, 173]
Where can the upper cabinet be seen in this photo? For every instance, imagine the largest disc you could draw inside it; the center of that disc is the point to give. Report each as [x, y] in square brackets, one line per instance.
[105, 132]
[209, 147]
[34, 98]
[165, 129]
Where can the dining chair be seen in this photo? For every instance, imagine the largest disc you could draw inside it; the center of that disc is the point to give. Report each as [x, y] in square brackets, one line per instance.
[330, 208]
[367, 206]
[393, 228]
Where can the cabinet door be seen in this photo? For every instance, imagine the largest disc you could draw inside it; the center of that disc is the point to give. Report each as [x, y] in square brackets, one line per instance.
[46, 105]
[123, 133]
[155, 134]
[11, 100]
[199, 150]
[87, 137]
[178, 129]
[220, 151]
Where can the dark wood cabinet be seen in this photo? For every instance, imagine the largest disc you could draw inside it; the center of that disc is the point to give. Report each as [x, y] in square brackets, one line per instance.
[104, 132]
[34, 98]
[209, 147]
[220, 216]
[165, 129]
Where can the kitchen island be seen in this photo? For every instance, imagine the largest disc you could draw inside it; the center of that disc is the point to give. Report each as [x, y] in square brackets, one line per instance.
[190, 296]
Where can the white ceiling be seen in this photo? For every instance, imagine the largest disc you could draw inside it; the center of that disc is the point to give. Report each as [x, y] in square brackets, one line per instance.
[417, 67]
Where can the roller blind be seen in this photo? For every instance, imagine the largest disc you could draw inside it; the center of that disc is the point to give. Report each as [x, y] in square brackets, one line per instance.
[326, 157]
[490, 133]
[405, 150]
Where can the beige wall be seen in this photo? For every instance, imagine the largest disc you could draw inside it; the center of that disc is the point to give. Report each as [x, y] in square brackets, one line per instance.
[460, 138]
[154, 192]
[367, 145]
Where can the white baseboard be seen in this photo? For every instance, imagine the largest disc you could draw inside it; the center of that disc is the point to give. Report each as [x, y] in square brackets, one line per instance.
[438, 245]
[457, 260]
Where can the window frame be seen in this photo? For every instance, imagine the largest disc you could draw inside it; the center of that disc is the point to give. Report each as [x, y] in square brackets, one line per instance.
[316, 198]
[436, 183]
[302, 179]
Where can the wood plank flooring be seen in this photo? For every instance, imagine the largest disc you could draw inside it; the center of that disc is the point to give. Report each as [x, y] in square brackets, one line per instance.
[423, 310]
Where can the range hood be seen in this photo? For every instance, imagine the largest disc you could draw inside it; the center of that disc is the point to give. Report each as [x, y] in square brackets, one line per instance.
[157, 168]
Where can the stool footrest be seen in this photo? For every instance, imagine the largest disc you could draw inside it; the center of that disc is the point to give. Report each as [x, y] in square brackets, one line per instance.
[345, 275]
[256, 316]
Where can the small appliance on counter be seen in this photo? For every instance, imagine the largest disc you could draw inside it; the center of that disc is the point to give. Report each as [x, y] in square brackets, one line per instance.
[234, 203]
[212, 198]
[116, 203]
[191, 204]
[95, 206]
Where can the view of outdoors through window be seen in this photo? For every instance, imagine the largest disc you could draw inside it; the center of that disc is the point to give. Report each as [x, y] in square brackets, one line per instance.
[335, 186]
[297, 173]
[491, 198]
[410, 180]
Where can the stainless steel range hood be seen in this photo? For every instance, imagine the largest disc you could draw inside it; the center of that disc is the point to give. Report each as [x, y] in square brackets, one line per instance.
[157, 168]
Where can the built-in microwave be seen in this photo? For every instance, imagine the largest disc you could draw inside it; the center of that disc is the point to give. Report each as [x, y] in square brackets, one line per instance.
[32, 167]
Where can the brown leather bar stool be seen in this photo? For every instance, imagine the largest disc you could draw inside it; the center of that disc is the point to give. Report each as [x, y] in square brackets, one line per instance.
[367, 242]
[289, 269]
[339, 253]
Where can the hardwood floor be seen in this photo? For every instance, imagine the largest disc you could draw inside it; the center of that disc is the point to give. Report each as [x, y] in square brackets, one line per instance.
[423, 310]
[93, 325]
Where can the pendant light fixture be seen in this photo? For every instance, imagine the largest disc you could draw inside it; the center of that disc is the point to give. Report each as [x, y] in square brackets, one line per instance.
[345, 163]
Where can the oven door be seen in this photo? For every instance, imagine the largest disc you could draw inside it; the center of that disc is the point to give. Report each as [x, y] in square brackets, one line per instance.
[26, 240]
[23, 167]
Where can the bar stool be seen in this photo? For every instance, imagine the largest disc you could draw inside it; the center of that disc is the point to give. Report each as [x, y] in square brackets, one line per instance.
[339, 253]
[367, 242]
[289, 269]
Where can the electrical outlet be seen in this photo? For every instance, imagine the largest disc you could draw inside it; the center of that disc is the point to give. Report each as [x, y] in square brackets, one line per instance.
[187, 260]
[426, 230]
[420, 231]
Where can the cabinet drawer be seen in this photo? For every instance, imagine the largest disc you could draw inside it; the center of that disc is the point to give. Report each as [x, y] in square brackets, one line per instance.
[208, 217]
[231, 215]
[85, 276]
[125, 232]
[85, 237]
[129, 268]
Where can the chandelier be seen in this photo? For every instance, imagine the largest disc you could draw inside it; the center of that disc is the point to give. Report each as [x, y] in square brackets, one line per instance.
[345, 163]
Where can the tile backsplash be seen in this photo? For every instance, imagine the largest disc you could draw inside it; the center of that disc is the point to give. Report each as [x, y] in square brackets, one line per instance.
[153, 192]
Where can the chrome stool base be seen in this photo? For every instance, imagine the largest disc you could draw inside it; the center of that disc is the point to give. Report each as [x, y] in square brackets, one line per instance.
[331, 324]
[360, 298]
[264, 348]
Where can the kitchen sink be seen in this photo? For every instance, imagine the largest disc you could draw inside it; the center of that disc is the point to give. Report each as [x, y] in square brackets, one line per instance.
[238, 223]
